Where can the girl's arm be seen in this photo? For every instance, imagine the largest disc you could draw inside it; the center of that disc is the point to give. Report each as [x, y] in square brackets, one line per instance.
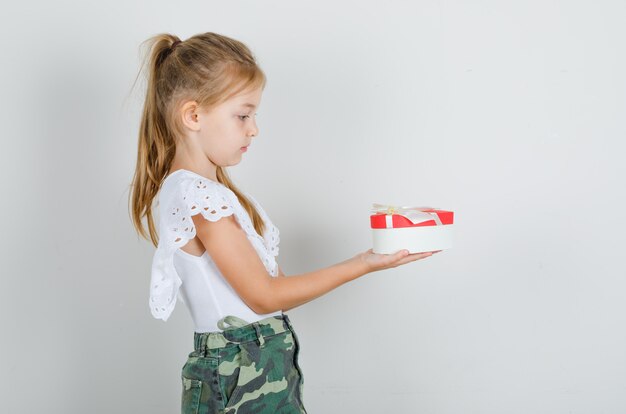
[239, 263]
[290, 292]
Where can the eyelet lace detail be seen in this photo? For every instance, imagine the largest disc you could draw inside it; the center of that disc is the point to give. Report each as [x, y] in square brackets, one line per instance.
[271, 235]
[188, 197]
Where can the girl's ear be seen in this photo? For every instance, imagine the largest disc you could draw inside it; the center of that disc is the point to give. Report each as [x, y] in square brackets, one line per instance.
[189, 113]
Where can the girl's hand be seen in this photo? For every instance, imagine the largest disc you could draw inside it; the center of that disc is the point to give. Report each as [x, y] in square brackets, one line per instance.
[374, 261]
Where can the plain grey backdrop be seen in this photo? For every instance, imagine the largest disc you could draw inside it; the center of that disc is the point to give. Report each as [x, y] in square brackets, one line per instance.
[510, 113]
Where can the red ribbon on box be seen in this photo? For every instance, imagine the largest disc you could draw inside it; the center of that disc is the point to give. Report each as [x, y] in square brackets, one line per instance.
[388, 216]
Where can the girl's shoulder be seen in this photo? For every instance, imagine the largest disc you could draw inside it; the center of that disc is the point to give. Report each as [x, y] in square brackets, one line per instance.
[189, 187]
[184, 193]
[183, 181]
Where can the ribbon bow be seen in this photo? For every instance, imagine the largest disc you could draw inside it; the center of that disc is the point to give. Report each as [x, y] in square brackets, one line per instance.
[415, 214]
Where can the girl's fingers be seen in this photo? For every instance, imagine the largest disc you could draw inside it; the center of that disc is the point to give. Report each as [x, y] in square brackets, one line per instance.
[393, 258]
[390, 259]
[401, 257]
[413, 257]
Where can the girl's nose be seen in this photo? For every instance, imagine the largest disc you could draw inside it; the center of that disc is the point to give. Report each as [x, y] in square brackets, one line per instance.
[254, 131]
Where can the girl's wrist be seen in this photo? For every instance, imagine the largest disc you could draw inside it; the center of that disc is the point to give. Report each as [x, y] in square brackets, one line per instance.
[361, 265]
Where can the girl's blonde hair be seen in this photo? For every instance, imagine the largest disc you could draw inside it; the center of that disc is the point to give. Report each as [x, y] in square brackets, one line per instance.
[208, 68]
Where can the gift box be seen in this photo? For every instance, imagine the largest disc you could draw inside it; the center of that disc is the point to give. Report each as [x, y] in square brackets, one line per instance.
[417, 229]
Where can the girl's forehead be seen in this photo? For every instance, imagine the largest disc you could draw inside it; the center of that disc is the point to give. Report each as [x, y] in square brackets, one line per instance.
[249, 100]
[247, 105]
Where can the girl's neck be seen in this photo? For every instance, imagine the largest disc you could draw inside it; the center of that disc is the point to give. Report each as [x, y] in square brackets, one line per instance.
[210, 173]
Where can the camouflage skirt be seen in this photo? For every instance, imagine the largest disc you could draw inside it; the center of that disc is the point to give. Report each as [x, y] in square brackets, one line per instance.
[246, 368]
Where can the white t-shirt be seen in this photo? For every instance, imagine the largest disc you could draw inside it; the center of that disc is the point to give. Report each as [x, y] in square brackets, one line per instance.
[196, 280]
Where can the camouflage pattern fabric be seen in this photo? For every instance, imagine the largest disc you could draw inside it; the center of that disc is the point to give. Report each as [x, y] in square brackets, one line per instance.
[248, 368]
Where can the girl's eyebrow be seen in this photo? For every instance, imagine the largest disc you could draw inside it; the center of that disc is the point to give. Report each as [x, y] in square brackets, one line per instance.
[249, 105]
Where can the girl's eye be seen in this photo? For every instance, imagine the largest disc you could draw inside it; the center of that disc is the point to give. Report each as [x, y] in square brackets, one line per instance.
[243, 117]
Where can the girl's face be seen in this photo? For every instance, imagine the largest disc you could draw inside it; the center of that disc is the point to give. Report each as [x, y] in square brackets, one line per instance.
[227, 129]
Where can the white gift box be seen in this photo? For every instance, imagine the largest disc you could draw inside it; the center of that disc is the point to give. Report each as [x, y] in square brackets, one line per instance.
[417, 229]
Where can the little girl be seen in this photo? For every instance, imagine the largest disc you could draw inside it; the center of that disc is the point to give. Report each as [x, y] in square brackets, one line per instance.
[216, 247]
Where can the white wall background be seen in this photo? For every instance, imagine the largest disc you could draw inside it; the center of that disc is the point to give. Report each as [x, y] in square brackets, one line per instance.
[511, 113]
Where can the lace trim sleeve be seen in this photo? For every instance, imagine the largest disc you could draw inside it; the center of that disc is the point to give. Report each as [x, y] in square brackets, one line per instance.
[271, 235]
[190, 197]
